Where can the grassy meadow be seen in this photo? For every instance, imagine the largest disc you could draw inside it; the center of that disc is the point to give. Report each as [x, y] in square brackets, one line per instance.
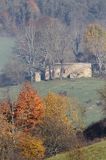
[85, 92]
[96, 151]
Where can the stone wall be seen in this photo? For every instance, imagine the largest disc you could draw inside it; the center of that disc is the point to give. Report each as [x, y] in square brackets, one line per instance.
[71, 70]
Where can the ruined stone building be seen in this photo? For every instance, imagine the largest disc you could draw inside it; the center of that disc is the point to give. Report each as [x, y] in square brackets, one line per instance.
[70, 70]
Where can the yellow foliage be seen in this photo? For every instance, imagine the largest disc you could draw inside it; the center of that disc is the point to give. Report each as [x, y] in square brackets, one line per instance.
[63, 108]
[5, 127]
[31, 148]
[6, 139]
[95, 38]
[56, 105]
[75, 113]
[58, 127]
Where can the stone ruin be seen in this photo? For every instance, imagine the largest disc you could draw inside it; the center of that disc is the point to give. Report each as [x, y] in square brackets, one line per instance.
[70, 70]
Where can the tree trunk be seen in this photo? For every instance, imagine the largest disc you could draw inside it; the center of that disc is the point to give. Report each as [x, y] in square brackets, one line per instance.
[30, 75]
[50, 73]
[100, 65]
[100, 69]
[61, 71]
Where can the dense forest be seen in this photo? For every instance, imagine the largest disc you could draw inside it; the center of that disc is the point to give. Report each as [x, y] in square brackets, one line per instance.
[71, 12]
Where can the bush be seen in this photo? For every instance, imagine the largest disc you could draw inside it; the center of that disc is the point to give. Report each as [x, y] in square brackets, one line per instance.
[30, 148]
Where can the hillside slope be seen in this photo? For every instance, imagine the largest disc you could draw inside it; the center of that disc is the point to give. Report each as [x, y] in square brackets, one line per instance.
[94, 152]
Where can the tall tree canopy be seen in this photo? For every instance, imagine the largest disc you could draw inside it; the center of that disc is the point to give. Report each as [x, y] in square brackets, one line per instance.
[29, 108]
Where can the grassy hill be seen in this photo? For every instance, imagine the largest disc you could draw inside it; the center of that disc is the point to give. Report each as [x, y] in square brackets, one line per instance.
[94, 152]
[6, 44]
[84, 90]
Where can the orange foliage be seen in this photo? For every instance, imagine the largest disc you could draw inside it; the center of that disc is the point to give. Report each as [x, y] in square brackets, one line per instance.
[29, 108]
[24, 114]
[6, 139]
[5, 109]
[5, 127]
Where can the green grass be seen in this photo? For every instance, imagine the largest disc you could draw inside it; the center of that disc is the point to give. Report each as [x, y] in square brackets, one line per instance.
[6, 45]
[82, 89]
[93, 152]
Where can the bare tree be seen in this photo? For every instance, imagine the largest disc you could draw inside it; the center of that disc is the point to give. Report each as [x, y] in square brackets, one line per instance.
[26, 48]
[63, 42]
[44, 44]
[56, 41]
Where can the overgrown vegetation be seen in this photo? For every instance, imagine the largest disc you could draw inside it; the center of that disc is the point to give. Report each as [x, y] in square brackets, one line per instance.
[35, 35]
[29, 125]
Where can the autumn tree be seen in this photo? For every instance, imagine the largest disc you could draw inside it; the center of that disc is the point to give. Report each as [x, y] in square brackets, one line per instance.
[6, 139]
[18, 145]
[28, 113]
[7, 108]
[95, 43]
[29, 147]
[29, 108]
[22, 116]
[58, 131]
